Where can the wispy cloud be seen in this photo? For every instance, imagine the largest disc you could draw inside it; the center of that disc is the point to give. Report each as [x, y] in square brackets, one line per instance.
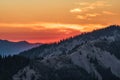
[87, 16]
[86, 6]
[89, 10]
[42, 25]
[48, 26]
[42, 31]
[109, 13]
[94, 5]
[76, 10]
[92, 15]
[81, 17]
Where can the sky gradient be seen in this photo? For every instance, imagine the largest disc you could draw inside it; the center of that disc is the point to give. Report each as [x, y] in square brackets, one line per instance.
[51, 20]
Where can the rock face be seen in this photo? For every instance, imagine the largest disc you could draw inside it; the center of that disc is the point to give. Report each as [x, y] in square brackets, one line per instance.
[12, 48]
[90, 56]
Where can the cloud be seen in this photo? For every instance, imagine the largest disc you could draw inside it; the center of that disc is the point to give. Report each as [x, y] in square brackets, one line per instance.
[45, 26]
[81, 17]
[43, 31]
[99, 4]
[92, 15]
[83, 3]
[86, 6]
[87, 16]
[61, 25]
[76, 10]
[39, 32]
[91, 10]
[109, 13]
[41, 25]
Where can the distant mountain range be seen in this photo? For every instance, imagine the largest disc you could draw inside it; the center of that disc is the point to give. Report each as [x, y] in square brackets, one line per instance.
[11, 48]
[90, 56]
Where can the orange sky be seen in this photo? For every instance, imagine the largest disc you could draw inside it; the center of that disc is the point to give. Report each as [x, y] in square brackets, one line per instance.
[51, 20]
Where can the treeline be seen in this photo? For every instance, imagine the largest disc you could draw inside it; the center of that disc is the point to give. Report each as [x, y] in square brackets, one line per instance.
[11, 65]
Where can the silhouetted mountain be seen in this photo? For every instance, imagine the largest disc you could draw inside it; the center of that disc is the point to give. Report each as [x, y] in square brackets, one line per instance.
[10, 65]
[11, 48]
[65, 46]
[89, 56]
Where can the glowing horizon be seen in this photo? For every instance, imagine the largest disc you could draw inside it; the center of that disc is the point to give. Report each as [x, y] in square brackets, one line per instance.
[53, 20]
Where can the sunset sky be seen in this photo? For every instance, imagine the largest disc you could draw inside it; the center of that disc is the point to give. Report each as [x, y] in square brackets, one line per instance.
[51, 20]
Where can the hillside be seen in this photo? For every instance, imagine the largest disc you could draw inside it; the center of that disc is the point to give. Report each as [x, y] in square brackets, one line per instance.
[65, 46]
[90, 56]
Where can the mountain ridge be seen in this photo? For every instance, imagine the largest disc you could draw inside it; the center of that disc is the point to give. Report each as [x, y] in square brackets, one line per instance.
[82, 38]
[90, 56]
[12, 48]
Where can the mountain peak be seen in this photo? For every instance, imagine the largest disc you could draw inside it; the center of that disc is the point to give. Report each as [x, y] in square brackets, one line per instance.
[10, 48]
[113, 27]
[4, 40]
[23, 42]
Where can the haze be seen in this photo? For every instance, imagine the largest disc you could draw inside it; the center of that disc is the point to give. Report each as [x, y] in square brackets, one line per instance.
[52, 20]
